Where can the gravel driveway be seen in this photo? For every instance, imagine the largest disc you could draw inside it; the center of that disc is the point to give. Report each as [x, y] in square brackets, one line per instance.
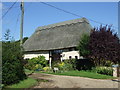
[59, 81]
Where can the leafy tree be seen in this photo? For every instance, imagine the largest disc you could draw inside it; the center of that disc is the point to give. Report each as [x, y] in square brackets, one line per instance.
[12, 66]
[104, 46]
[7, 34]
[83, 45]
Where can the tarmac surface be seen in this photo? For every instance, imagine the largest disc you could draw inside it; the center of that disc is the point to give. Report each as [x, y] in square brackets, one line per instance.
[59, 81]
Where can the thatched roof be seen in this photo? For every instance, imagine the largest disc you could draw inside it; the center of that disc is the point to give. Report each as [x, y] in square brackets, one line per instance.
[57, 36]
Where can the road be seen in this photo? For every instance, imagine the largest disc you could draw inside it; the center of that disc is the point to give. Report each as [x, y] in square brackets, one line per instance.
[59, 81]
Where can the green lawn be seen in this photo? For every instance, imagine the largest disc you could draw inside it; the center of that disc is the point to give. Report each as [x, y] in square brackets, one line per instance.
[27, 83]
[83, 74]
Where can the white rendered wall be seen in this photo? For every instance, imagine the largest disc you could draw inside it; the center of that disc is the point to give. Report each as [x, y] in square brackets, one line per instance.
[34, 54]
[65, 55]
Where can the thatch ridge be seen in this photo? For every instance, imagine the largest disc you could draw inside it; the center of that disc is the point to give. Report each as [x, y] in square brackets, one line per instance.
[69, 22]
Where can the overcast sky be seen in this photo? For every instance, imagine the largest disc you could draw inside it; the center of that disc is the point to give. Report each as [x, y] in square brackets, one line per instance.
[38, 14]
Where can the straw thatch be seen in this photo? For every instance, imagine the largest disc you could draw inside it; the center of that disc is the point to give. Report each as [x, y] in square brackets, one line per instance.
[57, 36]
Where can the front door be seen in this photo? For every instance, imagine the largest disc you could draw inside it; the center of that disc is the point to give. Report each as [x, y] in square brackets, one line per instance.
[56, 55]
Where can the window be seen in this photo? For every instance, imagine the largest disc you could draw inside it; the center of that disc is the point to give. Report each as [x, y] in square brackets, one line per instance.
[75, 49]
[70, 57]
[70, 49]
[56, 51]
[76, 57]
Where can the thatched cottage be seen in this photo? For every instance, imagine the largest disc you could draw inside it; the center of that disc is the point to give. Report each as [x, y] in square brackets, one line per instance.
[57, 41]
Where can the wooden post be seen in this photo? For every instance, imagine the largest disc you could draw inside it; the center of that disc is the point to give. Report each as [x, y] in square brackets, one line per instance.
[50, 59]
[21, 26]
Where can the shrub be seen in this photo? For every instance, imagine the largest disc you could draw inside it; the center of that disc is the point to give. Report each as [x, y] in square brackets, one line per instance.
[47, 69]
[71, 63]
[104, 70]
[12, 66]
[38, 67]
[84, 64]
[36, 63]
[66, 65]
[107, 63]
[55, 63]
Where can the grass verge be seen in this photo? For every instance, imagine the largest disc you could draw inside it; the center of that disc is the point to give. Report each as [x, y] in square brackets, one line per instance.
[82, 74]
[27, 72]
[27, 83]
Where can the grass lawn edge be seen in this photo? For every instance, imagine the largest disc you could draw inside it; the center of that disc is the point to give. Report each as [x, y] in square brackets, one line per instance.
[27, 83]
[85, 74]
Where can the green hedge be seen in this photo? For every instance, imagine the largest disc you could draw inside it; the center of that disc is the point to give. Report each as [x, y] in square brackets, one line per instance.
[12, 66]
[84, 64]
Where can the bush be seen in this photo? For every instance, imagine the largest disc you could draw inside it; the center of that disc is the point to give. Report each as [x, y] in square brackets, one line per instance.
[108, 63]
[12, 66]
[70, 64]
[47, 69]
[38, 67]
[104, 70]
[66, 65]
[84, 64]
[36, 63]
[55, 63]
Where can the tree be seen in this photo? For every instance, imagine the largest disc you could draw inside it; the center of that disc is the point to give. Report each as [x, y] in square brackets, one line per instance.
[104, 46]
[83, 45]
[12, 66]
[7, 34]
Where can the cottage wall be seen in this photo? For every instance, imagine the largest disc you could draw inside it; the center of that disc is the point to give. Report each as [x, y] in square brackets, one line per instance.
[72, 54]
[69, 53]
[36, 54]
[66, 54]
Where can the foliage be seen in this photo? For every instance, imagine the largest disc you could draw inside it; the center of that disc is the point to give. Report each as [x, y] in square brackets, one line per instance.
[61, 65]
[104, 70]
[47, 69]
[24, 39]
[83, 45]
[28, 72]
[36, 63]
[12, 66]
[55, 63]
[7, 34]
[104, 45]
[27, 83]
[71, 63]
[66, 65]
[84, 64]
[38, 67]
